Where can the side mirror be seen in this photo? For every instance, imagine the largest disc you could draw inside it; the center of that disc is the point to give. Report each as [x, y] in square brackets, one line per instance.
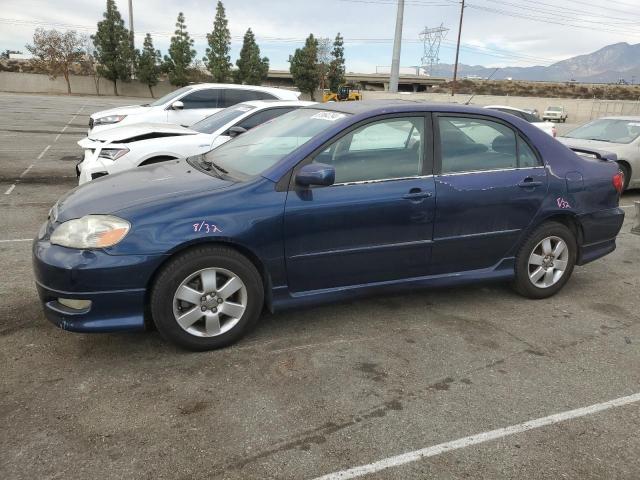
[235, 131]
[177, 105]
[316, 174]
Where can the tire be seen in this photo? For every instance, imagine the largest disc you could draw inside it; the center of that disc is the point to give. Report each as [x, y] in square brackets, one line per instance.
[216, 291]
[626, 171]
[548, 266]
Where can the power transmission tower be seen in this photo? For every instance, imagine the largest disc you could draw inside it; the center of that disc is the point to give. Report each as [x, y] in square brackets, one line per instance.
[431, 39]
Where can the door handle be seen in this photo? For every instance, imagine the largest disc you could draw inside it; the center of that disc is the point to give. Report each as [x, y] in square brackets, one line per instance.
[529, 183]
[417, 195]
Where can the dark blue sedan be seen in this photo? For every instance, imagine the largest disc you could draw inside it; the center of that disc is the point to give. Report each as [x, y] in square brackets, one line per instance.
[322, 204]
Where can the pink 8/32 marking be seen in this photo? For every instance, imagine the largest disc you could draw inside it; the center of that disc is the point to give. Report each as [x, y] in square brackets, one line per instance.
[205, 227]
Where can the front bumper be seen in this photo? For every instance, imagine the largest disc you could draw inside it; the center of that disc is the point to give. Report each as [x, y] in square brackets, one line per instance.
[116, 285]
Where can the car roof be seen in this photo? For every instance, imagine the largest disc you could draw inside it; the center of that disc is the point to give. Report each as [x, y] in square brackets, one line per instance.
[375, 107]
[274, 90]
[506, 107]
[276, 103]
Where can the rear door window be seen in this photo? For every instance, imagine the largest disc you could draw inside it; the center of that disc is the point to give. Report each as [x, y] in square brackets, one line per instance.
[472, 144]
[233, 96]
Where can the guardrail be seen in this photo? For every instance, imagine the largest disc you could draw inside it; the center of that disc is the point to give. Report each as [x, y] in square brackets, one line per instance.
[636, 228]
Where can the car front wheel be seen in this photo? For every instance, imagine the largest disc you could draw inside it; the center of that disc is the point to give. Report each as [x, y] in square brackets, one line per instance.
[545, 261]
[207, 298]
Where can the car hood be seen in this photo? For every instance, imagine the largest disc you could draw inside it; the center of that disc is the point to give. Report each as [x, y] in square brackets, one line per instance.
[126, 110]
[591, 144]
[127, 132]
[111, 193]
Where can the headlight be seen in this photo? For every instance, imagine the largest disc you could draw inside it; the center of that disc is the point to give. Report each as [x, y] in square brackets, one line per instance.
[108, 119]
[91, 231]
[113, 153]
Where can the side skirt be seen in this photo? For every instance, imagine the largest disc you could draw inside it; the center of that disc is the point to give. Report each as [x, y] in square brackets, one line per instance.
[284, 299]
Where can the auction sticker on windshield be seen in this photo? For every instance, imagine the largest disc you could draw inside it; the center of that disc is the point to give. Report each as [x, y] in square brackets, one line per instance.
[331, 116]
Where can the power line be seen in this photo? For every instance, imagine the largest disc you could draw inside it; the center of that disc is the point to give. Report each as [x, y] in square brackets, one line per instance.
[549, 20]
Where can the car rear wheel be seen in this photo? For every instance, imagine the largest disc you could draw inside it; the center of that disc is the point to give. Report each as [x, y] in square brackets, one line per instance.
[545, 261]
[207, 298]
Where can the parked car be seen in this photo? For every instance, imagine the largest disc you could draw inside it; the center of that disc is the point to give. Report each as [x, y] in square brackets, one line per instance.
[187, 105]
[528, 116]
[324, 203]
[129, 146]
[555, 114]
[620, 135]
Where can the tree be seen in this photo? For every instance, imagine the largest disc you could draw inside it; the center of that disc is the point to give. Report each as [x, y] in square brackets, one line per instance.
[336, 67]
[217, 59]
[113, 47]
[181, 54]
[55, 52]
[148, 64]
[252, 69]
[304, 67]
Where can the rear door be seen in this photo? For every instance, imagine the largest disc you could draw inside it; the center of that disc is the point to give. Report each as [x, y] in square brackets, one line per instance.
[490, 183]
[375, 224]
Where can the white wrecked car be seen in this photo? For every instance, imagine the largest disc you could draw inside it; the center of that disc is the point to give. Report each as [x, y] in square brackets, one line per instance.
[121, 148]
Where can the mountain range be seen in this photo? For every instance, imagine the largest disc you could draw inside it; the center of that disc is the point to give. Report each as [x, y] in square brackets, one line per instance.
[607, 65]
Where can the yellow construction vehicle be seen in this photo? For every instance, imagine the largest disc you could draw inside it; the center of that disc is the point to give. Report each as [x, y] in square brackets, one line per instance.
[345, 93]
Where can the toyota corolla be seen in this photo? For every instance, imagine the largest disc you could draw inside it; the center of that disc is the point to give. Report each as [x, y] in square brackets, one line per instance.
[321, 204]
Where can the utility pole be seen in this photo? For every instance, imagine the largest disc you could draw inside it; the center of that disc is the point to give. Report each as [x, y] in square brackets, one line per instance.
[455, 68]
[397, 43]
[133, 45]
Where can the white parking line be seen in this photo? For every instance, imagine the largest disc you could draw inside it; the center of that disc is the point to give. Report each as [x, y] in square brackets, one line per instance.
[17, 240]
[69, 123]
[10, 189]
[43, 152]
[479, 438]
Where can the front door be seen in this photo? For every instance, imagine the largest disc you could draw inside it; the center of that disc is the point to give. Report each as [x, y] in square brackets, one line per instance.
[375, 224]
[490, 184]
[197, 105]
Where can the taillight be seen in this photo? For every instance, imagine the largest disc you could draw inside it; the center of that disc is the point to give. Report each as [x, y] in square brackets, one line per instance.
[618, 181]
[554, 131]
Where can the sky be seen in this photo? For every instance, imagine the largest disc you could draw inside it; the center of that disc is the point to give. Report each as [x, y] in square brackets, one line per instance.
[494, 32]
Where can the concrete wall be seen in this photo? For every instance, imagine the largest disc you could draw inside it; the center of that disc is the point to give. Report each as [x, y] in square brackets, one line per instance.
[80, 85]
[579, 110]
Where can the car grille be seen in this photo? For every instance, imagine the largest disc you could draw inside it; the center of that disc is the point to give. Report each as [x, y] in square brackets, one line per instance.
[90, 122]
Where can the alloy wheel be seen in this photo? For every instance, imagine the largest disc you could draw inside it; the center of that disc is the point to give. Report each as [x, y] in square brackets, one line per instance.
[209, 302]
[548, 262]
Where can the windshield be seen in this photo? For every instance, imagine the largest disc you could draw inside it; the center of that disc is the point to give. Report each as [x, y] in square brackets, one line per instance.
[554, 109]
[608, 130]
[262, 147]
[169, 96]
[220, 119]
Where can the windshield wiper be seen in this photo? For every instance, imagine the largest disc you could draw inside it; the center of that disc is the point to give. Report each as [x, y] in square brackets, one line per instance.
[600, 140]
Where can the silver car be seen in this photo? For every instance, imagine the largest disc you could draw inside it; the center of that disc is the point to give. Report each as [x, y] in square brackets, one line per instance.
[619, 135]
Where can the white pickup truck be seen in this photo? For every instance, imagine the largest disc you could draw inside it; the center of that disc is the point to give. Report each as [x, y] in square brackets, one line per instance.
[555, 114]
